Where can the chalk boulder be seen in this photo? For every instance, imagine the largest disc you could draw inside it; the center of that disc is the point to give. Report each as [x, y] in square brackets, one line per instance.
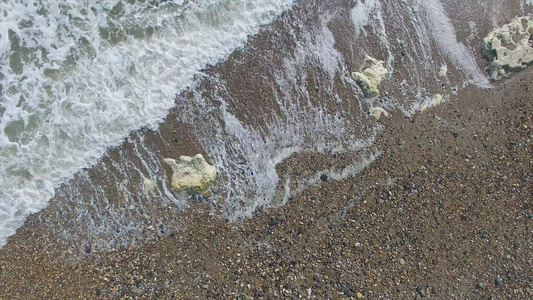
[191, 175]
[509, 48]
[370, 79]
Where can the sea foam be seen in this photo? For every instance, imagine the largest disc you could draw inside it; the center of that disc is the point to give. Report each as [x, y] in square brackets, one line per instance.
[76, 77]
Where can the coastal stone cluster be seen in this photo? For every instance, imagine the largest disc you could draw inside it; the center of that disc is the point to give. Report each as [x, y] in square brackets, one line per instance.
[191, 175]
[370, 79]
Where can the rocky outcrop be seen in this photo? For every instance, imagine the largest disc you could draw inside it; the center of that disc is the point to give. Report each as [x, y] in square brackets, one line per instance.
[191, 175]
[510, 47]
[370, 79]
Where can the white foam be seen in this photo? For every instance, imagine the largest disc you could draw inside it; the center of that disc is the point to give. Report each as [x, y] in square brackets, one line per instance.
[362, 15]
[444, 34]
[91, 73]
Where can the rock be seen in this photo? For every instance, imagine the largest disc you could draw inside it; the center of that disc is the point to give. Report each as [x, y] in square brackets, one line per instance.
[433, 290]
[480, 285]
[370, 79]
[359, 295]
[208, 194]
[443, 71]
[508, 48]
[377, 112]
[402, 261]
[88, 249]
[191, 175]
[324, 177]
[418, 297]
[498, 281]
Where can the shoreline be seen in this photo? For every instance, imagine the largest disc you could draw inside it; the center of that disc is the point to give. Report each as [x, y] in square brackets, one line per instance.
[443, 212]
[441, 216]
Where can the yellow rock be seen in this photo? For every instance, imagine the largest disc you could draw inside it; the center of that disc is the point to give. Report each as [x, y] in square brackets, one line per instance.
[191, 175]
[508, 48]
[359, 296]
[370, 79]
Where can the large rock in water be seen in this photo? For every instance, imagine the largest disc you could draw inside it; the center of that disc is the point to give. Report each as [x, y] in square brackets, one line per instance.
[191, 175]
[370, 79]
[510, 47]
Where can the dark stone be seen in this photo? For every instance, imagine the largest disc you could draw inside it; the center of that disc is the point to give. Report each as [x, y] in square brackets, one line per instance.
[455, 134]
[324, 177]
[464, 217]
[498, 281]
[88, 249]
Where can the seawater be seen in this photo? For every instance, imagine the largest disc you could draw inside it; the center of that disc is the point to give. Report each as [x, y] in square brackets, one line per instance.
[76, 77]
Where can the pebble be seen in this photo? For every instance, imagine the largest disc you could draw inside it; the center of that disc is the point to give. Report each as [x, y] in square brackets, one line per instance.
[88, 249]
[499, 281]
[418, 297]
[480, 285]
[359, 295]
[324, 177]
[464, 217]
[485, 236]
[214, 190]
[402, 261]
[207, 194]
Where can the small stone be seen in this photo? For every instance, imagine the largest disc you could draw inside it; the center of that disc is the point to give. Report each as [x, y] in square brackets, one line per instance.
[207, 194]
[433, 290]
[214, 190]
[200, 198]
[480, 285]
[418, 297]
[402, 261]
[359, 295]
[88, 249]
[455, 134]
[485, 236]
[464, 217]
[499, 281]
[324, 177]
